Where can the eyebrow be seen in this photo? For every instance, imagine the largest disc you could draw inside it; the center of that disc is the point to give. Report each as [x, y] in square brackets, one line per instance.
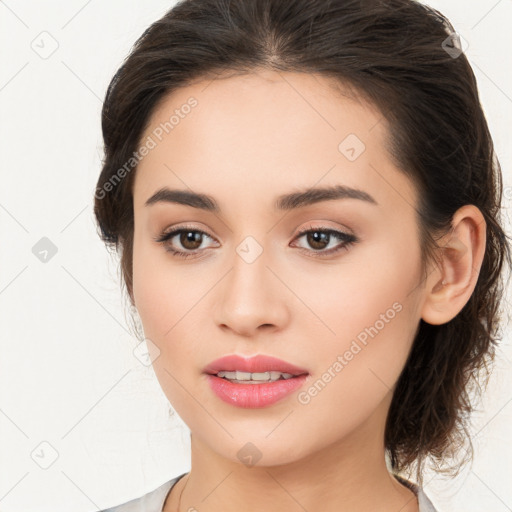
[290, 201]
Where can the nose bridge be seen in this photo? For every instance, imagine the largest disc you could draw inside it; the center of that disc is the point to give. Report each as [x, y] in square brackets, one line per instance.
[250, 296]
[248, 282]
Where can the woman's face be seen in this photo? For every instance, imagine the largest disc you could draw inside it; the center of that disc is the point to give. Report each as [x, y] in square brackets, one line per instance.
[344, 309]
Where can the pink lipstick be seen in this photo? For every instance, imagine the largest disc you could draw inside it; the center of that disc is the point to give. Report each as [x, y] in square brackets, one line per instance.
[253, 382]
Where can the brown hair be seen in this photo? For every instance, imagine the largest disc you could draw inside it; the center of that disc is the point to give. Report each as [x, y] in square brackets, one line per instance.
[397, 55]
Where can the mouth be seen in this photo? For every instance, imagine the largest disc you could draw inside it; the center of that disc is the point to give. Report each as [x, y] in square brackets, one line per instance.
[255, 382]
[240, 377]
[259, 369]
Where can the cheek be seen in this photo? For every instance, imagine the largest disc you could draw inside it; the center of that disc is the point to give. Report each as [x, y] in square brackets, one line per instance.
[163, 292]
[172, 303]
[148, 287]
[162, 298]
[369, 313]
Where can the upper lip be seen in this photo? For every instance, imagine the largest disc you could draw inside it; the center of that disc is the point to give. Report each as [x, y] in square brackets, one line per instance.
[255, 364]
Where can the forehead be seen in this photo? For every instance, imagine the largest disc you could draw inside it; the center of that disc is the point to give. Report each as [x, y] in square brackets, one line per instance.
[260, 131]
[270, 104]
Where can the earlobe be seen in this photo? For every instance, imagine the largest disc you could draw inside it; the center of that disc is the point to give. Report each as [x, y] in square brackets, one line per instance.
[451, 284]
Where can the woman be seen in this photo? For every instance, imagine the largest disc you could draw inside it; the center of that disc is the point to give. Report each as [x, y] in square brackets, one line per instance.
[306, 201]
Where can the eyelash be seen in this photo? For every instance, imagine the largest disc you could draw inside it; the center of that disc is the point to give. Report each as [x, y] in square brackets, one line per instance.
[347, 238]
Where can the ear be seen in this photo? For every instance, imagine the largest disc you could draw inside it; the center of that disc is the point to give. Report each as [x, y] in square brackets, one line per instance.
[450, 285]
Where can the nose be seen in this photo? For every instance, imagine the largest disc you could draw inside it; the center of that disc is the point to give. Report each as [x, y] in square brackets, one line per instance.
[251, 298]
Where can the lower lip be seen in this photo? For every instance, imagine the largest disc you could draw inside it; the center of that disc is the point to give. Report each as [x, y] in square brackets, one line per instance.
[252, 396]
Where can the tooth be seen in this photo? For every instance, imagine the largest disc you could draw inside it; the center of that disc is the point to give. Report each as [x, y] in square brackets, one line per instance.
[260, 376]
[228, 375]
[254, 377]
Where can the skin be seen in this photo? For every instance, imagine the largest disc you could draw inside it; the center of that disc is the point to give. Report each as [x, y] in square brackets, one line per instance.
[250, 139]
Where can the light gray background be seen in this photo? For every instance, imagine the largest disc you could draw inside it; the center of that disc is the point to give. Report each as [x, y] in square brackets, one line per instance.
[73, 395]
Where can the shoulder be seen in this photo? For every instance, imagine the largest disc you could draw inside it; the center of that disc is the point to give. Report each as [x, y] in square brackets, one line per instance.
[424, 503]
[153, 501]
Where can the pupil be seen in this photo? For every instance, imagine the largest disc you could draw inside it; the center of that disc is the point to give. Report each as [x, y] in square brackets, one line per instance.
[192, 238]
[317, 242]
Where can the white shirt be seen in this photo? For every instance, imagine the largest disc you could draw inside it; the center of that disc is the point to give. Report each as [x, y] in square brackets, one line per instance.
[153, 501]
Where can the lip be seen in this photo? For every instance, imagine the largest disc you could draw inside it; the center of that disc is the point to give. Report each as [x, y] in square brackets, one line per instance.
[256, 364]
[255, 396]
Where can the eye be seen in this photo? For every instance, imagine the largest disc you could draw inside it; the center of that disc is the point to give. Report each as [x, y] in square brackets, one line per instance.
[190, 239]
[320, 237]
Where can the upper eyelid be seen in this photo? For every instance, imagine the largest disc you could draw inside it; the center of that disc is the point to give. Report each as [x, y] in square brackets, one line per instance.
[322, 227]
